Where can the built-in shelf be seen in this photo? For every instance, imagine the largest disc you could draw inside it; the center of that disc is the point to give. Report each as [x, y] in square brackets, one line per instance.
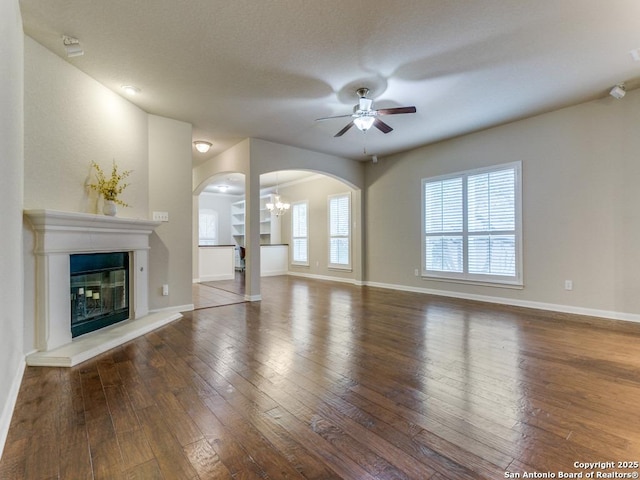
[269, 224]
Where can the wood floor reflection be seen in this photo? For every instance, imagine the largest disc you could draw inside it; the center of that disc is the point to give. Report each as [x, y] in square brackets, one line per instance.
[324, 380]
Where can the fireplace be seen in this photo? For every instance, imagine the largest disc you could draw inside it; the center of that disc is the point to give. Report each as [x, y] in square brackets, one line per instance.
[99, 291]
[66, 245]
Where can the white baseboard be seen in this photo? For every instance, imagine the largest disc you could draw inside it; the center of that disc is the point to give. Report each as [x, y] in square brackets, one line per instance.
[326, 277]
[216, 278]
[178, 308]
[10, 405]
[553, 307]
[273, 273]
[253, 298]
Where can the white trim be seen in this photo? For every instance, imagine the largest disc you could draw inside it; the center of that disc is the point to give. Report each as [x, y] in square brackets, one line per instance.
[10, 405]
[72, 232]
[349, 236]
[513, 286]
[553, 307]
[253, 298]
[174, 309]
[294, 238]
[339, 269]
[300, 264]
[326, 277]
[62, 234]
[465, 276]
[215, 278]
[309, 178]
[273, 273]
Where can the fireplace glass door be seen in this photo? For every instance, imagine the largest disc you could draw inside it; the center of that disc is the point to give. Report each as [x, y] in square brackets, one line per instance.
[99, 291]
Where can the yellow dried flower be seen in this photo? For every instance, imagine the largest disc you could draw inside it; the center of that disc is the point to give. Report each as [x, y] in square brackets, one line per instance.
[111, 187]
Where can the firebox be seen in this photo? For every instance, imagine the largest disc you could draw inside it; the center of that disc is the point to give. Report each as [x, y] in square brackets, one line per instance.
[99, 291]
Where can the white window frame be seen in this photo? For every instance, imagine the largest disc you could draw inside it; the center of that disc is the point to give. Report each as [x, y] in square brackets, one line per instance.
[213, 214]
[294, 207]
[515, 281]
[339, 266]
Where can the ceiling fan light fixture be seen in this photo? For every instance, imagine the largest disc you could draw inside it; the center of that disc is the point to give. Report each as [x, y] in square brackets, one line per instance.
[365, 103]
[365, 116]
[202, 146]
[364, 123]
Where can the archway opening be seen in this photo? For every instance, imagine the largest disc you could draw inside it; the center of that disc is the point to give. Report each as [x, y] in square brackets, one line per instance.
[300, 241]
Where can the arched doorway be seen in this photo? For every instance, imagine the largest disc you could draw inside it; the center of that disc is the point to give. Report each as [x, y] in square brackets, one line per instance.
[255, 158]
[296, 242]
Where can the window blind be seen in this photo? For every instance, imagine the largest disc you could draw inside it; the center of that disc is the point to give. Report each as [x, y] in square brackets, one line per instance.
[339, 230]
[207, 227]
[299, 233]
[471, 225]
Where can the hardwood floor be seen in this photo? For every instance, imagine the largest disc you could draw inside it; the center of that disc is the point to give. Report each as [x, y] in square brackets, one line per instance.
[219, 293]
[324, 380]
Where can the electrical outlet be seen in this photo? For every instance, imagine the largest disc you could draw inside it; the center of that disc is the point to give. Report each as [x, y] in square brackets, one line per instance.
[160, 216]
[416, 272]
[568, 284]
[165, 290]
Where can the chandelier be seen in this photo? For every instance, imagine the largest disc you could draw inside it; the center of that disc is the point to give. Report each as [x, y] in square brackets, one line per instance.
[277, 207]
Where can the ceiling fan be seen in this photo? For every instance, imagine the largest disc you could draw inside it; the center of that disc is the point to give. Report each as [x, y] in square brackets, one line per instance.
[364, 116]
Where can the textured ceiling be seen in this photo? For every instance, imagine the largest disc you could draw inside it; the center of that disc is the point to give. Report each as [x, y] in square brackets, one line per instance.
[268, 69]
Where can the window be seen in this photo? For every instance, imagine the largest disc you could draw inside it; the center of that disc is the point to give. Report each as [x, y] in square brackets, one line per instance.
[472, 227]
[300, 233]
[208, 227]
[340, 231]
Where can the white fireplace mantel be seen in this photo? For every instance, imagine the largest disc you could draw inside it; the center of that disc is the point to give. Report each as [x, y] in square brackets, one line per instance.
[58, 236]
[70, 232]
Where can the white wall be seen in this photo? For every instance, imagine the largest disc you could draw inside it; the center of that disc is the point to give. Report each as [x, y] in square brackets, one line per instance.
[580, 198]
[70, 121]
[170, 259]
[11, 186]
[234, 159]
[65, 129]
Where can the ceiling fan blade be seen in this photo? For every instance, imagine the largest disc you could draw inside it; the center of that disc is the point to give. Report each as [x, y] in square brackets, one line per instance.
[380, 125]
[344, 130]
[335, 116]
[395, 111]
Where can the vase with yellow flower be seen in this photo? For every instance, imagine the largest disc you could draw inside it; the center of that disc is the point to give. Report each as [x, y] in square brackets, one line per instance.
[110, 187]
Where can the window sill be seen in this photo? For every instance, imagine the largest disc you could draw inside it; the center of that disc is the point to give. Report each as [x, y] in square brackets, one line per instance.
[480, 283]
[340, 268]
